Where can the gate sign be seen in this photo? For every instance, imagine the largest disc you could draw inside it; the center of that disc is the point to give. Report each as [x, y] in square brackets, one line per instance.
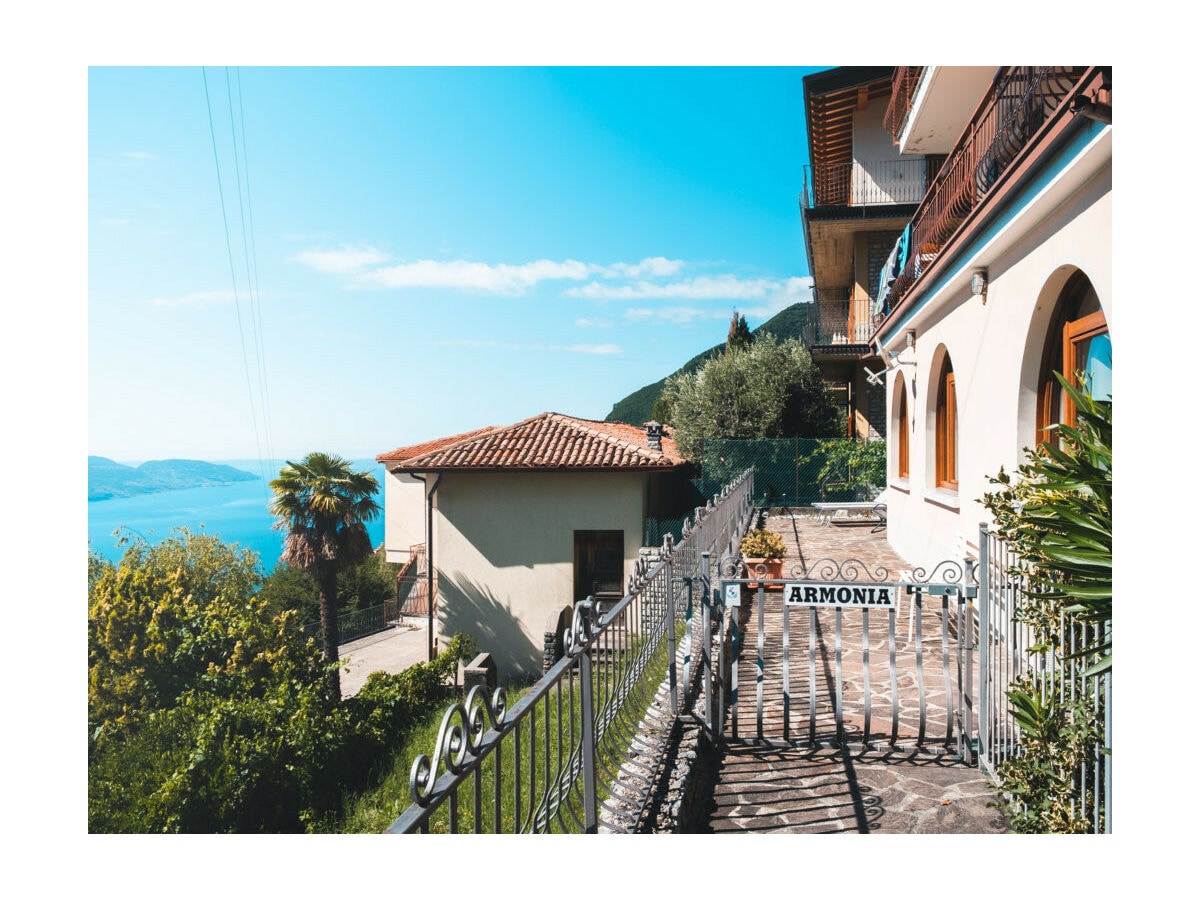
[733, 594]
[833, 593]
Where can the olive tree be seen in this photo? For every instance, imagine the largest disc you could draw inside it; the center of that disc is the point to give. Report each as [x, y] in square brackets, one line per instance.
[768, 389]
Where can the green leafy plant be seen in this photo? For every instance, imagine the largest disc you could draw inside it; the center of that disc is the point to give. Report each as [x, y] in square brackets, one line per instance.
[763, 544]
[1057, 515]
[848, 466]
[1057, 737]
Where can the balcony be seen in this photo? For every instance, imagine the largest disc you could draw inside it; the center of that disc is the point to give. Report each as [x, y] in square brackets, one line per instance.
[1006, 121]
[865, 183]
[904, 85]
[837, 321]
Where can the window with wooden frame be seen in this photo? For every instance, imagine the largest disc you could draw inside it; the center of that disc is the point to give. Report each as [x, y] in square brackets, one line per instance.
[902, 428]
[946, 430]
[1077, 341]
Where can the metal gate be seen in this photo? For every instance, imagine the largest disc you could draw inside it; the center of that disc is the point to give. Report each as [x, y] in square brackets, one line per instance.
[838, 654]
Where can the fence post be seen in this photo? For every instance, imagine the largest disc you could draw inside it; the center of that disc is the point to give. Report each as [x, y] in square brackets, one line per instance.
[687, 633]
[985, 648]
[668, 550]
[706, 641]
[588, 741]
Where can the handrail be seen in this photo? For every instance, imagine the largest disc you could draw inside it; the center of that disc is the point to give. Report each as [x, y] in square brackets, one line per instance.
[870, 182]
[904, 85]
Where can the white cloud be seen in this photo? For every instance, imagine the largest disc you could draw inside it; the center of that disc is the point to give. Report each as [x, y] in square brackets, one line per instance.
[771, 296]
[676, 315]
[704, 287]
[653, 278]
[138, 154]
[650, 267]
[500, 278]
[114, 222]
[196, 298]
[342, 261]
[793, 290]
[595, 349]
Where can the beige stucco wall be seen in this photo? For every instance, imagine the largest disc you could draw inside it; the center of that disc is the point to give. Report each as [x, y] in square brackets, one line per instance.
[403, 515]
[995, 349]
[503, 549]
[873, 179]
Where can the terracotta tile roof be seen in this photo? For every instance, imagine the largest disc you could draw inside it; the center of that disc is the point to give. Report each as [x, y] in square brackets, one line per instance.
[402, 453]
[550, 441]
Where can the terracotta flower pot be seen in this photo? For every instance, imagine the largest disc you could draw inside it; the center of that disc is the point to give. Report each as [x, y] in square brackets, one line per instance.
[774, 569]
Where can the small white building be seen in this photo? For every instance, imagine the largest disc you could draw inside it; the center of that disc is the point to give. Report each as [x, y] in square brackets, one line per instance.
[529, 519]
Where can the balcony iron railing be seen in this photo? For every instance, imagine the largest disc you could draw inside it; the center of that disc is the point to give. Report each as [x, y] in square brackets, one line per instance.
[412, 584]
[865, 183]
[834, 319]
[1007, 119]
[904, 86]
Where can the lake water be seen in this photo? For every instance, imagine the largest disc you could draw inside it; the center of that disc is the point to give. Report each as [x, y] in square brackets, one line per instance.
[237, 513]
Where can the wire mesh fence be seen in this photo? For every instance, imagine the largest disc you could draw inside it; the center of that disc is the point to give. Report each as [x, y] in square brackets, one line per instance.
[796, 471]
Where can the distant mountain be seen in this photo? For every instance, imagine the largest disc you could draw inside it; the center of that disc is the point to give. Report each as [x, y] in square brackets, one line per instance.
[108, 479]
[635, 409]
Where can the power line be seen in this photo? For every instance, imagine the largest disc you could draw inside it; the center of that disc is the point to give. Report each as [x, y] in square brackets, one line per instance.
[232, 272]
[251, 281]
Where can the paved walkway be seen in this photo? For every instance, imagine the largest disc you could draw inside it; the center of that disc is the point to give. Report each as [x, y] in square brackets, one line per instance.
[389, 651]
[791, 776]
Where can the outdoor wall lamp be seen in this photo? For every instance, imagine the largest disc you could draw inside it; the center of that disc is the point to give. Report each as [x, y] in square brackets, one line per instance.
[979, 283]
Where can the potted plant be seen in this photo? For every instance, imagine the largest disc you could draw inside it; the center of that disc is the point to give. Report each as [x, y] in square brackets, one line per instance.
[763, 550]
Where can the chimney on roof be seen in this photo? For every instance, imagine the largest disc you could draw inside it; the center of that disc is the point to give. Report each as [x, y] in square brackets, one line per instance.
[654, 435]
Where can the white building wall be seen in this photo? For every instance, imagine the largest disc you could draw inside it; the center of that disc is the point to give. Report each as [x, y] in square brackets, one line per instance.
[403, 515]
[995, 350]
[879, 174]
[504, 546]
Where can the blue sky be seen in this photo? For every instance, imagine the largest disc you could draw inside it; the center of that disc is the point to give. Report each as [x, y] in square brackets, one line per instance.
[406, 253]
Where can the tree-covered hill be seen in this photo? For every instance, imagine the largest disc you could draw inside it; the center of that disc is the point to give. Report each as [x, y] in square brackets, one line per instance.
[636, 408]
[107, 479]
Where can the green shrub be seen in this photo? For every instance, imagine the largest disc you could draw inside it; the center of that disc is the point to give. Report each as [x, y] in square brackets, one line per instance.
[1057, 515]
[207, 710]
[763, 544]
[853, 468]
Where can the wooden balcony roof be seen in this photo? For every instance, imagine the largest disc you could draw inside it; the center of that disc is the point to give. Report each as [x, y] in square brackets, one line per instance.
[831, 99]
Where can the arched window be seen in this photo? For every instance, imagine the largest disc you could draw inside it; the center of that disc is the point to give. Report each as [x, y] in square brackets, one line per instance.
[946, 429]
[1077, 341]
[902, 427]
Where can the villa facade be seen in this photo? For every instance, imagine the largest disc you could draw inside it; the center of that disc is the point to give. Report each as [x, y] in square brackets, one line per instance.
[528, 519]
[1002, 276]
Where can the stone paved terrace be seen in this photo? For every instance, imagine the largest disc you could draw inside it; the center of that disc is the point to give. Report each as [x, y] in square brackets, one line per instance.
[801, 780]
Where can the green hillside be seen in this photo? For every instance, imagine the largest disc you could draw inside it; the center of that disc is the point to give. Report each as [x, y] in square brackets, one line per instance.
[107, 479]
[635, 409]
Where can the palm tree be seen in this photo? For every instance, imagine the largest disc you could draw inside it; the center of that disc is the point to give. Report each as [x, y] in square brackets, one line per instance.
[323, 506]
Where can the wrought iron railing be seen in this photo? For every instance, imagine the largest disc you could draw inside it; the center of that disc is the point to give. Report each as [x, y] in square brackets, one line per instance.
[560, 760]
[359, 622]
[1006, 121]
[835, 319]
[904, 85]
[1012, 652]
[412, 584]
[865, 183]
